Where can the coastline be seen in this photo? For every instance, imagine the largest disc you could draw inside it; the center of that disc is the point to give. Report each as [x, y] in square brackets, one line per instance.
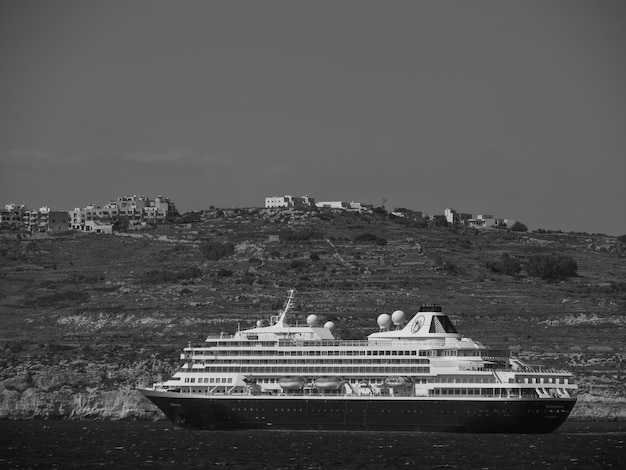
[131, 405]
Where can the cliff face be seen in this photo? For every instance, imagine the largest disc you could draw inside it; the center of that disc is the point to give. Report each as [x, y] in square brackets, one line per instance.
[66, 404]
[80, 390]
[599, 408]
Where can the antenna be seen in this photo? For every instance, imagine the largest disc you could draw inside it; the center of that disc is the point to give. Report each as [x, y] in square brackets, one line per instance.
[281, 317]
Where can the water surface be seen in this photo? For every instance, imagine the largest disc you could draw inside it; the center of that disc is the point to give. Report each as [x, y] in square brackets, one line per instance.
[159, 445]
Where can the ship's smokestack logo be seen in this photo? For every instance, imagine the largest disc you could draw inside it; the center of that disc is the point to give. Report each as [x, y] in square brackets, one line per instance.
[419, 321]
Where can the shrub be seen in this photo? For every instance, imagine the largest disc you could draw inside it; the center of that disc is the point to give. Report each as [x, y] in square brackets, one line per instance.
[440, 221]
[255, 261]
[551, 267]
[297, 264]
[450, 267]
[365, 237]
[464, 243]
[519, 227]
[369, 237]
[223, 272]
[213, 250]
[506, 265]
[247, 278]
[160, 277]
[299, 236]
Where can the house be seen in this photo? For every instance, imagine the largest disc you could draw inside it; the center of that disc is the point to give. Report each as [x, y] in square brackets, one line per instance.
[12, 214]
[96, 226]
[453, 216]
[58, 221]
[289, 202]
[135, 209]
[332, 205]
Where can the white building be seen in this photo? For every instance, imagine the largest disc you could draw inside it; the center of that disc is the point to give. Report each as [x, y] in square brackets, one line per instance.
[332, 205]
[134, 209]
[277, 201]
[96, 226]
[289, 202]
[453, 216]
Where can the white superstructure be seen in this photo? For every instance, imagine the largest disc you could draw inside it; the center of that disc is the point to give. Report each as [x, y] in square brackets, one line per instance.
[423, 357]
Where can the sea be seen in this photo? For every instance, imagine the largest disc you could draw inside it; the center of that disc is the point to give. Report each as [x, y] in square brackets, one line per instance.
[32, 444]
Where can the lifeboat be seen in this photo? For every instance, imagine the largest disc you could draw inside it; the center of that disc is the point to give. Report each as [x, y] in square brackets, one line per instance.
[397, 382]
[291, 383]
[328, 383]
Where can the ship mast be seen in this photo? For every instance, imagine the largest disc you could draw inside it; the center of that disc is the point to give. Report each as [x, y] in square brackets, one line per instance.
[281, 319]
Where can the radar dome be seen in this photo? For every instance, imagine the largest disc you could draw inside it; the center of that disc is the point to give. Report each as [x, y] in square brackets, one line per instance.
[311, 320]
[329, 325]
[259, 323]
[397, 317]
[384, 320]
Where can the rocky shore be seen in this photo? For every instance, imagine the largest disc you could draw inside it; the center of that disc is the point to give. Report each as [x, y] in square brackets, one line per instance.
[66, 403]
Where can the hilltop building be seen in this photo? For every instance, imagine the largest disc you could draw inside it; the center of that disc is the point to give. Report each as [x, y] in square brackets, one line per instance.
[332, 205]
[289, 202]
[12, 214]
[407, 214]
[55, 221]
[453, 216]
[133, 209]
[42, 220]
[307, 202]
[94, 219]
[346, 206]
[485, 221]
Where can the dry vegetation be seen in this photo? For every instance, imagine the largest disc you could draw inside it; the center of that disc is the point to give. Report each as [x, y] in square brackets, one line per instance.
[92, 314]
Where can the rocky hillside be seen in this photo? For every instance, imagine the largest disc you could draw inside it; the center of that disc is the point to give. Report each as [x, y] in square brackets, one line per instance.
[84, 319]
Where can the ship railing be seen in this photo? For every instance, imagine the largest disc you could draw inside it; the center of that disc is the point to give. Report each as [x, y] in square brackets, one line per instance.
[540, 370]
[219, 336]
[494, 392]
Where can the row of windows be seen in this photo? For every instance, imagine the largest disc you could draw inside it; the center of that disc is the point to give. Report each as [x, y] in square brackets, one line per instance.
[212, 380]
[342, 410]
[317, 352]
[318, 370]
[313, 361]
[489, 392]
[373, 381]
[541, 380]
[209, 380]
[272, 380]
[466, 379]
[308, 352]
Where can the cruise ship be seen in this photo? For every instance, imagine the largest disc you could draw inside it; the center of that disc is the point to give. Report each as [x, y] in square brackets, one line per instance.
[410, 375]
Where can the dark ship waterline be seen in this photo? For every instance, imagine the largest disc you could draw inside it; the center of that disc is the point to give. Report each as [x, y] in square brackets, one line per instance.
[420, 375]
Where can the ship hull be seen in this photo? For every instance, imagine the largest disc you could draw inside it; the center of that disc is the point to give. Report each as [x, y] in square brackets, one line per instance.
[342, 413]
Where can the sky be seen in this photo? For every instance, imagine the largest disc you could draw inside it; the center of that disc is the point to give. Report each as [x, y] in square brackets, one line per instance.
[510, 108]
